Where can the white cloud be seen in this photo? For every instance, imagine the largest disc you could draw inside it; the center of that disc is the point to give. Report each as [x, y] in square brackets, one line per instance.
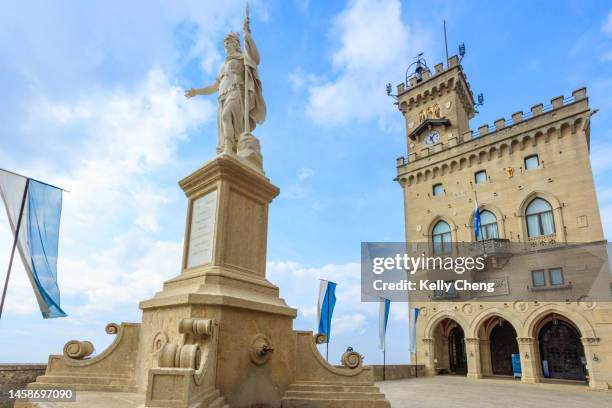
[300, 285]
[374, 47]
[107, 250]
[607, 25]
[305, 172]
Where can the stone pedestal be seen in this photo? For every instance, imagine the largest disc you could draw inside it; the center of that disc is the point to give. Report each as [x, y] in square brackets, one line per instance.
[223, 278]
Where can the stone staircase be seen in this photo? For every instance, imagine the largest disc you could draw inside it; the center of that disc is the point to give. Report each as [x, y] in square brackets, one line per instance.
[315, 394]
[213, 399]
[108, 384]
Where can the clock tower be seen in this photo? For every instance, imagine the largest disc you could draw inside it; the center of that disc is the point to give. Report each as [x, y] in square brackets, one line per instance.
[437, 106]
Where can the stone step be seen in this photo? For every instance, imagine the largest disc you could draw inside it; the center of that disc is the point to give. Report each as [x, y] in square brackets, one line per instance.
[84, 384]
[65, 379]
[218, 403]
[210, 398]
[348, 384]
[295, 402]
[333, 387]
[336, 395]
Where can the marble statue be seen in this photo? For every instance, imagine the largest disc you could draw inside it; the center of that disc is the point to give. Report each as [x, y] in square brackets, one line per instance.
[240, 103]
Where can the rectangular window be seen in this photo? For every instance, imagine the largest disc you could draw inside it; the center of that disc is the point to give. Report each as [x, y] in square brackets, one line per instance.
[532, 162]
[480, 177]
[537, 278]
[438, 189]
[556, 276]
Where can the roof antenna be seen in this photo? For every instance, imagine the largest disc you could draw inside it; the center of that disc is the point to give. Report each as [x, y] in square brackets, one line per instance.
[445, 42]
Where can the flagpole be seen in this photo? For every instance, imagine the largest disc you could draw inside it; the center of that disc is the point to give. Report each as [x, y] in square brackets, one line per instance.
[416, 357]
[385, 358]
[484, 249]
[17, 228]
[328, 325]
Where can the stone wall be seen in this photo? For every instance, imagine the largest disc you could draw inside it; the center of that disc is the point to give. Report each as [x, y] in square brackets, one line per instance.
[397, 371]
[16, 376]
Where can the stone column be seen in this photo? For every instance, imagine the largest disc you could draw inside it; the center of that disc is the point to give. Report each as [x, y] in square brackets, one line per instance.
[472, 348]
[595, 367]
[529, 362]
[428, 356]
[485, 357]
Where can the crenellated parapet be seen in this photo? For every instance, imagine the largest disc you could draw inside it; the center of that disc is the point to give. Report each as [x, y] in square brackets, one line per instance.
[564, 116]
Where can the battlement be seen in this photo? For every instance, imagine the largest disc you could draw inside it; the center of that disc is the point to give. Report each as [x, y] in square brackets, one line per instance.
[518, 118]
[413, 81]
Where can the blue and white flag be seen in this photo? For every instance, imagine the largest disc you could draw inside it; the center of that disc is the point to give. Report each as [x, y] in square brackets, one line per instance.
[413, 315]
[39, 207]
[383, 318]
[325, 309]
[476, 219]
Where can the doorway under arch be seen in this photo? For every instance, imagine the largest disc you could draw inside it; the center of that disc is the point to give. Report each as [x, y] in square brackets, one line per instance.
[561, 350]
[497, 345]
[503, 345]
[449, 347]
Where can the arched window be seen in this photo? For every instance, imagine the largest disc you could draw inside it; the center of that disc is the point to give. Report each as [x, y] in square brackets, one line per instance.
[488, 226]
[540, 220]
[441, 237]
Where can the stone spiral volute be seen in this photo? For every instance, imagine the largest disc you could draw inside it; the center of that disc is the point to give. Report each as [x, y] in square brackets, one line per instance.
[320, 338]
[78, 350]
[351, 359]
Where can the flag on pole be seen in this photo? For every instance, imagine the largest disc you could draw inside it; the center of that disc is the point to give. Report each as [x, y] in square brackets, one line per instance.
[383, 318]
[34, 210]
[476, 219]
[325, 309]
[413, 315]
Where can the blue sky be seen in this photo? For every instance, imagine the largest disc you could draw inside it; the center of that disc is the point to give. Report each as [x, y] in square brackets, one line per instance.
[92, 101]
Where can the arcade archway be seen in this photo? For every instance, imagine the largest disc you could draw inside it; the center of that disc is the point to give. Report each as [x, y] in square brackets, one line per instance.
[561, 350]
[498, 343]
[449, 347]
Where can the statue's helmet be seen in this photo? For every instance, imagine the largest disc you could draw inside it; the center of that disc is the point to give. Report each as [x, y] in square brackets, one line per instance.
[233, 38]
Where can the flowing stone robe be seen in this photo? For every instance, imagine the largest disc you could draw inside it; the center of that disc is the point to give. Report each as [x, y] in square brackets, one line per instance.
[237, 70]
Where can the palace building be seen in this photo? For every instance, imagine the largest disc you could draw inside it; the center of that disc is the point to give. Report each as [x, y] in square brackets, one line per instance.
[532, 180]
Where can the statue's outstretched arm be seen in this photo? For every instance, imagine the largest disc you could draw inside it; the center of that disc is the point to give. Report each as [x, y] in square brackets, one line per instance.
[207, 90]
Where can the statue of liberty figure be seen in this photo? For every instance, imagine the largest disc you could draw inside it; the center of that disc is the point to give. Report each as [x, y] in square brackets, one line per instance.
[240, 102]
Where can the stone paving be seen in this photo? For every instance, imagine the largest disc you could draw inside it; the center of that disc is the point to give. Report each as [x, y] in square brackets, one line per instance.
[460, 392]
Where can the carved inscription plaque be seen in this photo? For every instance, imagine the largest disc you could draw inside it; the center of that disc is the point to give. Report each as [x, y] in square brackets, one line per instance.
[203, 214]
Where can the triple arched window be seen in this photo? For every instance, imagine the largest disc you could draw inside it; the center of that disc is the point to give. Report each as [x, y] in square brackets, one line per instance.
[539, 216]
[441, 237]
[540, 219]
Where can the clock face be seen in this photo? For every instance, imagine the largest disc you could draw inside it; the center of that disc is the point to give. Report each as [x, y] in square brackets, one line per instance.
[432, 138]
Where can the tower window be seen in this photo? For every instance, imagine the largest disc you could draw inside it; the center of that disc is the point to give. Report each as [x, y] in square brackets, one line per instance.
[540, 220]
[480, 177]
[532, 162]
[438, 189]
[538, 279]
[441, 237]
[488, 226]
[556, 276]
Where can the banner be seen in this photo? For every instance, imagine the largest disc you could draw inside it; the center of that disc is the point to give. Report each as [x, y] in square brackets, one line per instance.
[325, 307]
[383, 318]
[38, 206]
[413, 315]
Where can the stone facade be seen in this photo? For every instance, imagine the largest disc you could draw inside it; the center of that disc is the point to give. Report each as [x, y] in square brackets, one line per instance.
[505, 167]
